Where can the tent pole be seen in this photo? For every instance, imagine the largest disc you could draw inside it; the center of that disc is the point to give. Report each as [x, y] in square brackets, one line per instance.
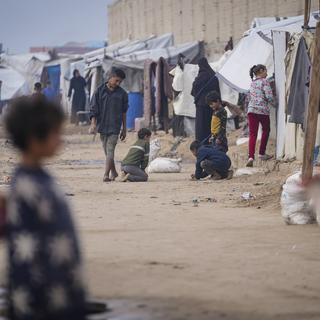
[312, 112]
[306, 14]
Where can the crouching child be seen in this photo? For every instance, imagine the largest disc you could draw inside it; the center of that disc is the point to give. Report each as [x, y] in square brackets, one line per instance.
[211, 161]
[136, 161]
[44, 258]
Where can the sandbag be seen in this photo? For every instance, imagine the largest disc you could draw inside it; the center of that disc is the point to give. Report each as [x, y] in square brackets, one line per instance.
[295, 203]
[165, 165]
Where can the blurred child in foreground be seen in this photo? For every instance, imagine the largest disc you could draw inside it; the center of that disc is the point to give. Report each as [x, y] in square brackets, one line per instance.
[45, 278]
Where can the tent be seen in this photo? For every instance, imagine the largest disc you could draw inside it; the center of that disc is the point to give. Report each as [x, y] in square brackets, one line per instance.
[182, 83]
[267, 44]
[256, 47]
[13, 84]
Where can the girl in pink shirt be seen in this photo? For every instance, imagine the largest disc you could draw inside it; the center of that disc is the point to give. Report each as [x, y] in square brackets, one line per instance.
[261, 99]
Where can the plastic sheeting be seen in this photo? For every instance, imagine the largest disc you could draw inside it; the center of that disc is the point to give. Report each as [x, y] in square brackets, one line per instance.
[279, 42]
[291, 25]
[133, 64]
[250, 50]
[13, 84]
[182, 83]
[256, 48]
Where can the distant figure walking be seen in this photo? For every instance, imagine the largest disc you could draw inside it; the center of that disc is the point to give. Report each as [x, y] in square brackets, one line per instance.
[205, 82]
[49, 93]
[261, 99]
[37, 91]
[77, 85]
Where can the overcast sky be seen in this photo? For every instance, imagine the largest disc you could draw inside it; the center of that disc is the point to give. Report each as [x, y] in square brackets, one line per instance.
[26, 23]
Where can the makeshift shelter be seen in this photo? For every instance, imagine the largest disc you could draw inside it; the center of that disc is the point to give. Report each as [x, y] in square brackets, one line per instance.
[183, 103]
[267, 44]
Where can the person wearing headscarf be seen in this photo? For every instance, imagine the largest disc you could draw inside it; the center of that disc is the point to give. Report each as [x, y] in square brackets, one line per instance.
[77, 85]
[205, 82]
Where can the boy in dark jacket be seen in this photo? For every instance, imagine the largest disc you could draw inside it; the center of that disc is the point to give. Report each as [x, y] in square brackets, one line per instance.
[218, 121]
[210, 161]
[134, 164]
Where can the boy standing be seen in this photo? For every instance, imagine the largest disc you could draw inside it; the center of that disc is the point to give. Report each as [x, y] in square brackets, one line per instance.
[109, 106]
[218, 121]
[134, 164]
[49, 92]
[45, 279]
[210, 161]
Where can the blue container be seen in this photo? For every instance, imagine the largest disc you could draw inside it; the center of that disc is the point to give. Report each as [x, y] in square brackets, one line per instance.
[135, 108]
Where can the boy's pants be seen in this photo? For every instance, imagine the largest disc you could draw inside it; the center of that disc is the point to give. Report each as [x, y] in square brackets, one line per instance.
[209, 167]
[109, 144]
[135, 173]
[254, 120]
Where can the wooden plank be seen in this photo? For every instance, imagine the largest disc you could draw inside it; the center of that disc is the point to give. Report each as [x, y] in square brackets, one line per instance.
[312, 112]
[306, 13]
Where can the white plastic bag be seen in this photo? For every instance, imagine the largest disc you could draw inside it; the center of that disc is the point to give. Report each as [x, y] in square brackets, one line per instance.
[155, 147]
[296, 208]
[165, 165]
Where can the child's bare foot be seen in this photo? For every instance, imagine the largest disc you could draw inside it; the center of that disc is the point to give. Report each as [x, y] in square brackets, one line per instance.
[124, 176]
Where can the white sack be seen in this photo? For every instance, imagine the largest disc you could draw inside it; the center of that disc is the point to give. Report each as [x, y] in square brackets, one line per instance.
[165, 165]
[296, 208]
[155, 147]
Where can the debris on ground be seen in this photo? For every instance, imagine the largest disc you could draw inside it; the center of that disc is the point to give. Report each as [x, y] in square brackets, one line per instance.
[246, 172]
[247, 196]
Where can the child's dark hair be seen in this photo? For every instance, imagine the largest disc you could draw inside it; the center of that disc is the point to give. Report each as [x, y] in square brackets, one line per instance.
[37, 86]
[75, 71]
[256, 69]
[213, 96]
[29, 118]
[195, 145]
[144, 132]
[118, 73]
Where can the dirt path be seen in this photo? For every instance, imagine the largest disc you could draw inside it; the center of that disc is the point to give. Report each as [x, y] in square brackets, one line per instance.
[147, 243]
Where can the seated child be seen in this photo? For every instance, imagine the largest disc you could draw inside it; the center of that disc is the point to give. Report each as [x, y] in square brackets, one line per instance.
[210, 161]
[218, 121]
[134, 164]
[44, 275]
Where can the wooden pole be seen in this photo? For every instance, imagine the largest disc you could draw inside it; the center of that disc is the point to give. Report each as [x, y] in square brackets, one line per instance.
[312, 112]
[306, 14]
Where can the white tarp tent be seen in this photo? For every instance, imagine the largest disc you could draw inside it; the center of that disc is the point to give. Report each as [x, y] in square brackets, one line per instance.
[26, 68]
[257, 48]
[13, 84]
[183, 80]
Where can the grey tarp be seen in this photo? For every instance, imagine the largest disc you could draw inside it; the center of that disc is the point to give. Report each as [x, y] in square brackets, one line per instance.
[299, 90]
[133, 64]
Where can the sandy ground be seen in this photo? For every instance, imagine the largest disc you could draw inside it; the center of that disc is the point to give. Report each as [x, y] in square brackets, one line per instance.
[153, 255]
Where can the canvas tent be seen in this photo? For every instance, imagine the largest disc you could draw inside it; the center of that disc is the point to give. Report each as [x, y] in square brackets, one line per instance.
[267, 45]
[256, 47]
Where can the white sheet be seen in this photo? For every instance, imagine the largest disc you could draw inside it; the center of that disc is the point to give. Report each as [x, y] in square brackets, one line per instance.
[250, 50]
[279, 45]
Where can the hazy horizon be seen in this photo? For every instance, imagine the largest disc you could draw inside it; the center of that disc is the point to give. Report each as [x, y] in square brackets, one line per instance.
[25, 24]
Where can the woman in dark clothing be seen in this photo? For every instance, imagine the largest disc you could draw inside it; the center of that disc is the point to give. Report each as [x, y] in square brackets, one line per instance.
[77, 85]
[205, 82]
